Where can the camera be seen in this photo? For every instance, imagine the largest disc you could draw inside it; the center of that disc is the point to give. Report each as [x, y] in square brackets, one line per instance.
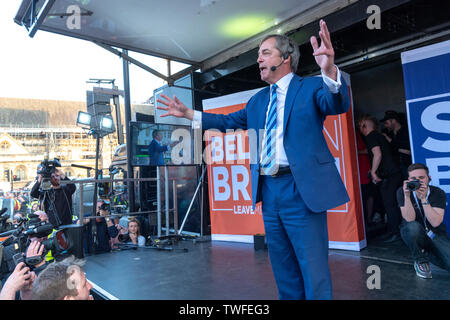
[105, 206]
[124, 238]
[46, 169]
[413, 185]
[64, 240]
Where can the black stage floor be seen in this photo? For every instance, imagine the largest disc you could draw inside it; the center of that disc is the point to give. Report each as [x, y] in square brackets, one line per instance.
[235, 271]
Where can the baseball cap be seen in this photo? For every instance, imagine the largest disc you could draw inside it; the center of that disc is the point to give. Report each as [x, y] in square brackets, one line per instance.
[390, 114]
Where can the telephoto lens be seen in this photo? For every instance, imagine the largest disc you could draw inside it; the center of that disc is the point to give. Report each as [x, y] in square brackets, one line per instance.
[413, 185]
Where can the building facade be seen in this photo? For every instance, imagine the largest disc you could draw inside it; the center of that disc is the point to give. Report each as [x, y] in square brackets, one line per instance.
[32, 130]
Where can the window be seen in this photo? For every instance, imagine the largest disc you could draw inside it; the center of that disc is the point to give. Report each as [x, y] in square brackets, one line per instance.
[4, 146]
[20, 173]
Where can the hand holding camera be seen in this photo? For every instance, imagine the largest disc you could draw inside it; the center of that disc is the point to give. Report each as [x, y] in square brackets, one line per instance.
[415, 185]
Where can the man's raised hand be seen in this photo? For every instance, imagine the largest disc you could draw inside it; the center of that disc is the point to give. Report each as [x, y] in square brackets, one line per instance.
[174, 107]
[324, 54]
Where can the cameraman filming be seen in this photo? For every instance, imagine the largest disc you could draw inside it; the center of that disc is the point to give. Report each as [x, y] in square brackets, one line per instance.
[422, 229]
[99, 231]
[56, 201]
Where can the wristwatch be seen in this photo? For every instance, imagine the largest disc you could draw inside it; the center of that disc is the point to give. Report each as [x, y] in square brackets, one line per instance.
[425, 202]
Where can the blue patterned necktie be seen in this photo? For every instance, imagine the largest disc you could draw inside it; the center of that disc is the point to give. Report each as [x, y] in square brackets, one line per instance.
[268, 158]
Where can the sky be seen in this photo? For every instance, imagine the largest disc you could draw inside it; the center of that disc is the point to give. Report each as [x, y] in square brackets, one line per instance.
[55, 67]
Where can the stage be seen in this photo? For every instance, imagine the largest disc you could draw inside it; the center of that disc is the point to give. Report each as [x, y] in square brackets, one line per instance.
[235, 271]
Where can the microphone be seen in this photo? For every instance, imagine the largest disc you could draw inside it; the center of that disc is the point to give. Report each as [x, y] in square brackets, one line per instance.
[273, 68]
[45, 229]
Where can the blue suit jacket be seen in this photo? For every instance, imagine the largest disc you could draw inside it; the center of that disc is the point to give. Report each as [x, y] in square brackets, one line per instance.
[155, 150]
[308, 102]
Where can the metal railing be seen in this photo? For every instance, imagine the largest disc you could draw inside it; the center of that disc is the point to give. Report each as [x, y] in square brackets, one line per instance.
[158, 211]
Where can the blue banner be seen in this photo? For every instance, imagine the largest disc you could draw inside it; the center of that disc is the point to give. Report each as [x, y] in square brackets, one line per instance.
[427, 86]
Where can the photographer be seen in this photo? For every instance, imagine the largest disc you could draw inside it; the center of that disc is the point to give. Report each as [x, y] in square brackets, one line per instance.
[99, 231]
[422, 229]
[21, 279]
[56, 200]
[133, 236]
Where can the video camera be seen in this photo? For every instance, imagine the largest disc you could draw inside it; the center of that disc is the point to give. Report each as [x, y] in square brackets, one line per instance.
[46, 169]
[64, 241]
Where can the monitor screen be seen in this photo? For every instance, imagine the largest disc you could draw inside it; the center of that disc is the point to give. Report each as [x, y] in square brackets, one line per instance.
[182, 90]
[160, 144]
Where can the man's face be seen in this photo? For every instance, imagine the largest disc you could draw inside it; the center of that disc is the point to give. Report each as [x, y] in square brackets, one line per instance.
[268, 56]
[55, 179]
[419, 174]
[99, 205]
[79, 281]
[364, 127]
[389, 124]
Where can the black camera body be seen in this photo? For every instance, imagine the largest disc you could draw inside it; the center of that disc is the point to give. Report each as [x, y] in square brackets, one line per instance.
[413, 185]
[105, 206]
[65, 240]
[46, 169]
[124, 238]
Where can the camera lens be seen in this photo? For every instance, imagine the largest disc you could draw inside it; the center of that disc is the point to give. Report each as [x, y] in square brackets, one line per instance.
[413, 185]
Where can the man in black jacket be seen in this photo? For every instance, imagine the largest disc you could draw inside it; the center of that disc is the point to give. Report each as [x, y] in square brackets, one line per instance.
[57, 201]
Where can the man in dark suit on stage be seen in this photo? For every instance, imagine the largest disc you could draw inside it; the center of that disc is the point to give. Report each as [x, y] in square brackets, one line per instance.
[295, 176]
[156, 149]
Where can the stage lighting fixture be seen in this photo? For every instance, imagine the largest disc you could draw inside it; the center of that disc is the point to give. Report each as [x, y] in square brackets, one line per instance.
[84, 119]
[107, 124]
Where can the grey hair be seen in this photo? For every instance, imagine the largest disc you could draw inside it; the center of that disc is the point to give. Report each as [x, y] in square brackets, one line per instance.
[286, 46]
[52, 283]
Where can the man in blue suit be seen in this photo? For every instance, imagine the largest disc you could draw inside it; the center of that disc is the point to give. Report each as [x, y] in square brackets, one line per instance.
[295, 175]
[156, 149]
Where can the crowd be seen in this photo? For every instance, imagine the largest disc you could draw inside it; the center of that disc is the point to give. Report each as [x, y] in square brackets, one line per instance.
[38, 273]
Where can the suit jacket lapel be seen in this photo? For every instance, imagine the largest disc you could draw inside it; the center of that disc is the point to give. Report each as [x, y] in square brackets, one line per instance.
[262, 108]
[293, 89]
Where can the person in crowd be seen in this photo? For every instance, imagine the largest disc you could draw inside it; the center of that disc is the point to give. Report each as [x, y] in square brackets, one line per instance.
[56, 202]
[20, 280]
[134, 233]
[384, 172]
[114, 242]
[17, 218]
[294, 166]
[34, 206]
[18, 285]
[44, 218]
[99, 231]
[422, 229]
[64, 280]
[367, 187]
[399, 139]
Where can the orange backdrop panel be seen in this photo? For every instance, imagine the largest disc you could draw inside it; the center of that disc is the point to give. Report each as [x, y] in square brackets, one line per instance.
[230, 209]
